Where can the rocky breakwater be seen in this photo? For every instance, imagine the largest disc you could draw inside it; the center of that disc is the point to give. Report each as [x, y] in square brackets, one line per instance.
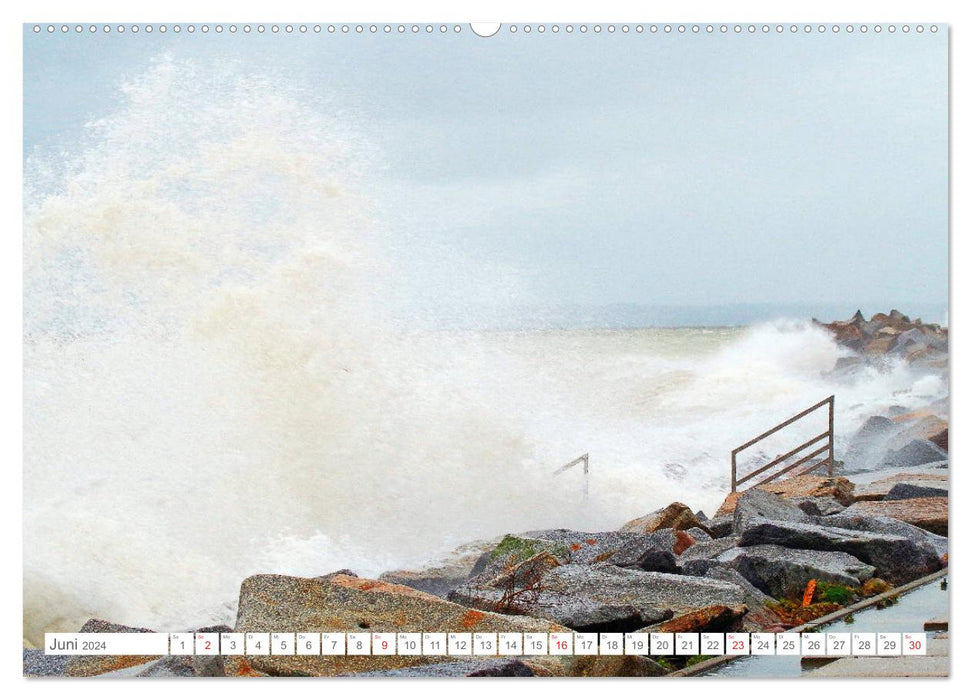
[898, 437]
[892, 334]
[671, 570]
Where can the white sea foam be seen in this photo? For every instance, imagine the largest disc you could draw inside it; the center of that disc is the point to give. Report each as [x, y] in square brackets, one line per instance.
[210, 389]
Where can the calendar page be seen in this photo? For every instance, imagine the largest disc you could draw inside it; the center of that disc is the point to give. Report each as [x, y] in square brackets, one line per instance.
[450, 349]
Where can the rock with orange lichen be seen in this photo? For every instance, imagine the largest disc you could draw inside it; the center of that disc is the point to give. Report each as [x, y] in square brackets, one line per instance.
[928, 513]
[676, 516]
[810, 485]
[274, 603]
[713, 618]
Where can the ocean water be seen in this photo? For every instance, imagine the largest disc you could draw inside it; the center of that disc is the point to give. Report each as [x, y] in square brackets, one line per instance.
[213, 385]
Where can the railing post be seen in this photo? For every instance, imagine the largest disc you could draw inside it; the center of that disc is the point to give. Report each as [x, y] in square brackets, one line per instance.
[586, 476]
[832, 454]
[733, 471]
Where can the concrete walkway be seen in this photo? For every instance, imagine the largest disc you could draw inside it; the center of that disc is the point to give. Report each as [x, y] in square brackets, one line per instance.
[936, 664]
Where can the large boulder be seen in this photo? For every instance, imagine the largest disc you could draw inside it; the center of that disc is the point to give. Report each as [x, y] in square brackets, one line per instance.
[783, 573]
[922, 423]
[878, 490]
[676, 516]
[759, 503]
[97, 665]
[914, 454]
[604, 597]
[904, 490]
[928, 513]
[887, 526]
[895, 559]
[273, 603]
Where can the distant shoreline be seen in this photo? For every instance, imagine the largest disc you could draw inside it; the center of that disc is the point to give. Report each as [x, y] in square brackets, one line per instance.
[568, 317]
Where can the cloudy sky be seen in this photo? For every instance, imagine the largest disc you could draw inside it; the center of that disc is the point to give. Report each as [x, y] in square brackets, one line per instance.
[807, 171]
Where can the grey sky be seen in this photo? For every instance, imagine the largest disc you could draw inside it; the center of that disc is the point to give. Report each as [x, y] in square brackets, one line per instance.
[587, 170]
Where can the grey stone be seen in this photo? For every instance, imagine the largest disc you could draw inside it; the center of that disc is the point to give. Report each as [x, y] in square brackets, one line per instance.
[593, 547]
[332, 574]
[914, 454]
[707, 550]
[426, 581]
[699, 535]
[650, 560]
[754, 598]
[759, 504]
[910, 341]
[721, 526]
[896, 559]
[887, 526]
[914, 489]
[819, 505]
[37, 663]
[783, 573]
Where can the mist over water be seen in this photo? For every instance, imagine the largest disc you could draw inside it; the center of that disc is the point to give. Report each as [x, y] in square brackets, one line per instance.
[212, 388]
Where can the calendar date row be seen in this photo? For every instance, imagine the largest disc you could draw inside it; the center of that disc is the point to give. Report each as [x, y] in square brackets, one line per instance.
[487, 644]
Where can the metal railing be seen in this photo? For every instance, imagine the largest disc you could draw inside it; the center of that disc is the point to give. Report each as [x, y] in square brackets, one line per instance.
[828, 460]
[583, 459]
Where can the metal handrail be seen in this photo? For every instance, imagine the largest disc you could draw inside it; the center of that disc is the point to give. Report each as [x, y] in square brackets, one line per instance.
[829, 460]
[583, 459]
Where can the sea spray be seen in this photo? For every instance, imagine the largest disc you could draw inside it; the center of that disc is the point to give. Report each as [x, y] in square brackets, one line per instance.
[207, 381]
[212, 390]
